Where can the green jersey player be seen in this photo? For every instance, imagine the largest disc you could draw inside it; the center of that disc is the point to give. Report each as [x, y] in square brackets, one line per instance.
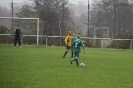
[79, 34]
[76, 46]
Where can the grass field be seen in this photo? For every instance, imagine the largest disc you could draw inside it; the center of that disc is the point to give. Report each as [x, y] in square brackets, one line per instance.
[44, 67]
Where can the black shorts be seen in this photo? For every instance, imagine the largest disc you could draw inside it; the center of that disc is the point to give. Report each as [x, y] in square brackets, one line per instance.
[67, 47]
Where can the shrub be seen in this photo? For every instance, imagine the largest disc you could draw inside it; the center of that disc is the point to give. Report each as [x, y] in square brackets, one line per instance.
[123, 44]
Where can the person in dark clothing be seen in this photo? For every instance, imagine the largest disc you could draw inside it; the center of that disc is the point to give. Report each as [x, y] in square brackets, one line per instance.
[17, 37]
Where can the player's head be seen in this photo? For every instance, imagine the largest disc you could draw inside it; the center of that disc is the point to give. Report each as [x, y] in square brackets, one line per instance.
[69, 32]
[78, 36]
[17, 27]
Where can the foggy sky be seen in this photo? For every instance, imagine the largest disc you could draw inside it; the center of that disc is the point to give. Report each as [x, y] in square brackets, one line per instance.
[77, 1]
[7, 2]
[21, 1]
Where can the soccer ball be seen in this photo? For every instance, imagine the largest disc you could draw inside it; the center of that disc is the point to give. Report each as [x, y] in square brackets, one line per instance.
[82, 64]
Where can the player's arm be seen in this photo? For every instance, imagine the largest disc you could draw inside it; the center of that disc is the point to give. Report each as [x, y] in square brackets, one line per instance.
[20, 33]
[83, 47]
[14, 33]
[72, 46]
[66, 39]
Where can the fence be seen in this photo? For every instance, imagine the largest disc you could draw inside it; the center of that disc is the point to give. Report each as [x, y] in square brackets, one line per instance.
[101, 43]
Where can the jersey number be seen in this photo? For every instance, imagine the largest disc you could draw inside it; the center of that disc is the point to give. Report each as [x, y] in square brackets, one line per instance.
[76, 45]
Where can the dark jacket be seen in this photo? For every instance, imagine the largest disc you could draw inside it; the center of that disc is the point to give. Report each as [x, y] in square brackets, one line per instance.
[17, 33]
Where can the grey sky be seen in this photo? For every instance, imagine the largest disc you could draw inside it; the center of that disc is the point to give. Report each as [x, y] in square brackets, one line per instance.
[21, 1]
[76, 1]
[7, 2]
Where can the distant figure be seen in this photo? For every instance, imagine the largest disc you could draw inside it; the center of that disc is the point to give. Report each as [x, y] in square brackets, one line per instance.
[68, 42]
[17, 36]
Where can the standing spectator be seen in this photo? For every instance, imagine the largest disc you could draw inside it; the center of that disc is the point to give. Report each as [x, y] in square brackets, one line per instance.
[17, 37]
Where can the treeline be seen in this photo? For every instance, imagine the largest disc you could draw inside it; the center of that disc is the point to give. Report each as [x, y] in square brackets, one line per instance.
[115, 14]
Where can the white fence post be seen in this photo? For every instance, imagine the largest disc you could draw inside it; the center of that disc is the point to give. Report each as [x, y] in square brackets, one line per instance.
[37, 32]
[46, 41]
[131, 45]
[101, 44]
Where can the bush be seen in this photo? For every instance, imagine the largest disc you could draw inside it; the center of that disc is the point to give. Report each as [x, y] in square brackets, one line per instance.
[3, 30]
[123, 44]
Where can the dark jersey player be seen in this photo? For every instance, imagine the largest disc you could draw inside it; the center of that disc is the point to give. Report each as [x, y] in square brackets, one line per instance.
[17, 37]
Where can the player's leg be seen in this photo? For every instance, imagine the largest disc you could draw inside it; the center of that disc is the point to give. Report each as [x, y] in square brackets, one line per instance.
[67, 49]
[77, 60]
[72, 53]
[15, 41]
[76, 57]
[19, 42]
[73, 59]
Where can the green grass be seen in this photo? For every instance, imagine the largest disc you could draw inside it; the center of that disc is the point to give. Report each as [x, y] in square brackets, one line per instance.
[44, 67]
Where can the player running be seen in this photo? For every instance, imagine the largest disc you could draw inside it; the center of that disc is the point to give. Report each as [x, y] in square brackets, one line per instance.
[79, 34]
[68, 42]
[76, 45]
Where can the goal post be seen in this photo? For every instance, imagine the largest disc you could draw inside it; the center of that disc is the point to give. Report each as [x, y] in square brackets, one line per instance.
[100, 32]
[101, 29]
[37, 35]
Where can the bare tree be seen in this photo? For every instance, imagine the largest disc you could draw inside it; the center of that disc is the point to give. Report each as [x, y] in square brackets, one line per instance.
[51, 11]
[102, 14]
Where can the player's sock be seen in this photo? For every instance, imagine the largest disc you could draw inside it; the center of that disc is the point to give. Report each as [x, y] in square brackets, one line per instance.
[65, 54]
[77, 62]
[70, 61]
[14, 46]
[74, 59]
[72, 55]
